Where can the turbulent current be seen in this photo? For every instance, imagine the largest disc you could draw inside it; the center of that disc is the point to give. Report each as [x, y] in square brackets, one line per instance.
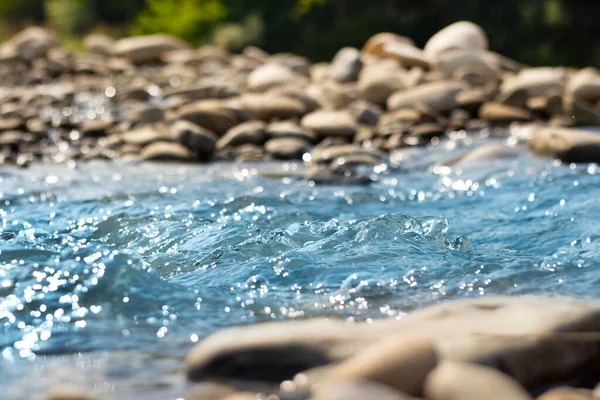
[102, 258]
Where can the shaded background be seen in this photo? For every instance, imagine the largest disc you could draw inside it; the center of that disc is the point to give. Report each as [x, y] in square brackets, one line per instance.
[536, 32]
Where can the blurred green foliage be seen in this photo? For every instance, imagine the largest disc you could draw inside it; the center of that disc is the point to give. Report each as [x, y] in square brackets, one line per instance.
[559, 32]
[188, 19]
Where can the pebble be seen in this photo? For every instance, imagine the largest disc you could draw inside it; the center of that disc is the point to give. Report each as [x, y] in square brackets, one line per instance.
[267, 107]
[287, 148]
[459, 35]
[438, 96]
[568, 145]
[330, 123]
[290, 129]
[196, 138]
[355, 390]
[140, 49]
[503, 114]
[378, 81]
[400, 362]
[249, 132]
[165, 151]
[69, 393]
[464, 381]
[567, 393]
[270, 75]
[346, 65]
[210, 114]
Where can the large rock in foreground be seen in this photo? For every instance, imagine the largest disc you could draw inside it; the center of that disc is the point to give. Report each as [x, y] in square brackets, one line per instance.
[534, 339]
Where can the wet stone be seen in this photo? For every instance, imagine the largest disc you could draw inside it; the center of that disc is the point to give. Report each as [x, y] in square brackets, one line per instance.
[287, 148]
[7, 124]
[148, 134]
[400, 362]
[567, 393]
[423, 133]
[503, 114]
[346, 65]
[355, 390]
[321, 174]
[454, 380]
[330, 123]
[165, 151]
[210, 114]
[194, 137]
[439, 96]
[268, 106]
[95, 127]
[290, 129]
[249, 132]
[69, 393]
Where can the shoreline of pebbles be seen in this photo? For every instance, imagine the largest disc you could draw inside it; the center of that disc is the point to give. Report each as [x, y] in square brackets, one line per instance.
[486, 348]
[153, 98]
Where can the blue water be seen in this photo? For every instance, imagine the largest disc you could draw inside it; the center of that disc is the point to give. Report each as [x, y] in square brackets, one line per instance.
[151, 258]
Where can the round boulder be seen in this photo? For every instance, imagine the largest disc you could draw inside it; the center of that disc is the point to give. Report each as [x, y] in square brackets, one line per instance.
[459, 35]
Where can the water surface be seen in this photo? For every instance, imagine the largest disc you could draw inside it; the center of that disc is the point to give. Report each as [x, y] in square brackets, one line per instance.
[111, 258]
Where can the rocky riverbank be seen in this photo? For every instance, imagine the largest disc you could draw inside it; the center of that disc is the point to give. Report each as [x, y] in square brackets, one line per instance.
[155, 98]
[487, 348]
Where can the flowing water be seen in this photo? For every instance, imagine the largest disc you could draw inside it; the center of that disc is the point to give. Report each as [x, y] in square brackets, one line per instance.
[110, 259]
